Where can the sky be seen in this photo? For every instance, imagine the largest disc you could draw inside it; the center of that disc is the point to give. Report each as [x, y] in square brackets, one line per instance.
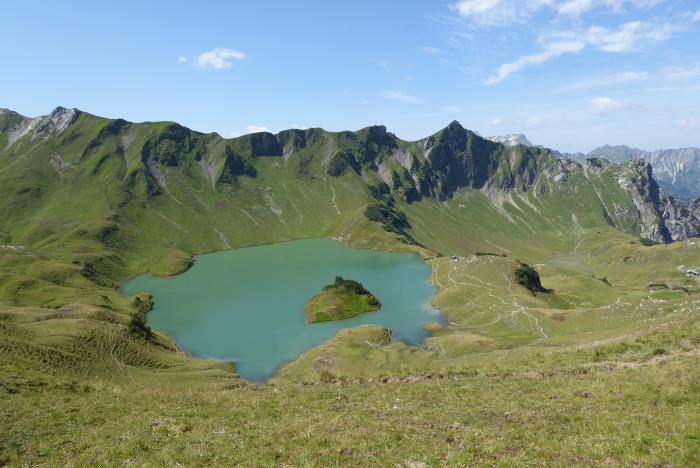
[570, 74]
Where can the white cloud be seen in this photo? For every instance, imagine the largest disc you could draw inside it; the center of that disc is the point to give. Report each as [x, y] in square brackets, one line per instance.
[400, 96]
[533, 122]
[503, 12]
[696, 16]
[605, 105]
[256, 129]
[579, 7]
[551, 51]
[452, 109]
[219, 59]
[252, 129]
[681, 73]
[616, 78]
[497, 12]
[476, 7]
[182, 59]
[574, 7]
[431, 50]
[627, 37]
[689, 124]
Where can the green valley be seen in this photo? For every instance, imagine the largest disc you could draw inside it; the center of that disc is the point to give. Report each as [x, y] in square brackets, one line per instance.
[601, 369]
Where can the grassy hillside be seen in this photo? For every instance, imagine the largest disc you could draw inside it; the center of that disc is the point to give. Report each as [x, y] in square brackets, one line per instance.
[340, 300]
[603, 369]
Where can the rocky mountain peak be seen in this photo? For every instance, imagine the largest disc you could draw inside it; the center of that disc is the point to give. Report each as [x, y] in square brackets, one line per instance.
[375, 130]
[58, 120]
[378, 135]
[453, 135]
[511, 139]
[455, 126]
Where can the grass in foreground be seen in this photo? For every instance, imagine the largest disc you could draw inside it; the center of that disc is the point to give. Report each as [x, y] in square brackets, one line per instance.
[641, 415]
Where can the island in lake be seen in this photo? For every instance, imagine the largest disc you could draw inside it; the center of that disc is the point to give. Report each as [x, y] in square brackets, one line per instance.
[341, 300]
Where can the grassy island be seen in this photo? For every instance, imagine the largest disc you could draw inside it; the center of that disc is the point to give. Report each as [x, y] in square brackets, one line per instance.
[341, 300]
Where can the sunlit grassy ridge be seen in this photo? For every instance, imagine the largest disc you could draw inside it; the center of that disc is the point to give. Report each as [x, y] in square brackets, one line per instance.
[602, 369]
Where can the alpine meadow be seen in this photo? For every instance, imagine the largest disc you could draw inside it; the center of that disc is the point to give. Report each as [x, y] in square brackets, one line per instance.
[308, 297]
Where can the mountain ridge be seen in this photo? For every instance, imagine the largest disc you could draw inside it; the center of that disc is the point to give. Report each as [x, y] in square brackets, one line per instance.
[677, 169]
[393, 171]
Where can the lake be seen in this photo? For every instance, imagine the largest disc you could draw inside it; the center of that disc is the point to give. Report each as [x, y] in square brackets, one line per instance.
[247, 305]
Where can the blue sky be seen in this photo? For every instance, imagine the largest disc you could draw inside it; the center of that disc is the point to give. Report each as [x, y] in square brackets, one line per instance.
[570, 74]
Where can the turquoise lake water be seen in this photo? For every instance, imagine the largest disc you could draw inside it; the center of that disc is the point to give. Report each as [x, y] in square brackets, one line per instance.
[247, 305]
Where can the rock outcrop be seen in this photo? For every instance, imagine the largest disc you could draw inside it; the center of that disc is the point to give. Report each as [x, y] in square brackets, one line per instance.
[511, 139]
[57, 121]
[677, 171]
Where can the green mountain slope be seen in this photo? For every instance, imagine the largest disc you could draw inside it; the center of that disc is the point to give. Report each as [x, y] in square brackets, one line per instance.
[86, 202]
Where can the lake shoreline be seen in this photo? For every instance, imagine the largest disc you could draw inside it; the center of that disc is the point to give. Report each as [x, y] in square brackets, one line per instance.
[414, 309]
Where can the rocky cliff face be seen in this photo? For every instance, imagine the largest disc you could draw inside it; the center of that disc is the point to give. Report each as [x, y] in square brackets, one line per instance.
[662, 218]
[15, 126]
[676, 170]
[681, 222]
[637, 180]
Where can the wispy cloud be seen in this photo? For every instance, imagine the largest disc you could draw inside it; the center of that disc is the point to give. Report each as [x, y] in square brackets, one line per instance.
[182, 59]
[219, 59]
[628, 36]
[681, 73]
[252, 129]
[605, 105]
[696, 16]
[579, 7]
[504, 12]
[496, 12]
[452, 109]
[689, 124]
[625, 38]
[552, 50]
[256, 129]
[400, 96]
[607, 80]
[533, 121]
[431, 50]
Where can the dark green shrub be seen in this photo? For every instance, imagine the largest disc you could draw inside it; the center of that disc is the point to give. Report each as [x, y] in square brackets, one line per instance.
[529, 278]
[137, 325]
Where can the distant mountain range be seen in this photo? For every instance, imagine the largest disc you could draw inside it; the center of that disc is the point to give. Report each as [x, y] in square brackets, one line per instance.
[676, 170]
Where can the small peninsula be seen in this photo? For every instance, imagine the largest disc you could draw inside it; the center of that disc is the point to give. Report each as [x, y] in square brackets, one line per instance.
[341, 300]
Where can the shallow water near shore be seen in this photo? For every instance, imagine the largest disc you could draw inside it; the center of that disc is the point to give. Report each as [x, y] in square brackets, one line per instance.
[247, 305]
